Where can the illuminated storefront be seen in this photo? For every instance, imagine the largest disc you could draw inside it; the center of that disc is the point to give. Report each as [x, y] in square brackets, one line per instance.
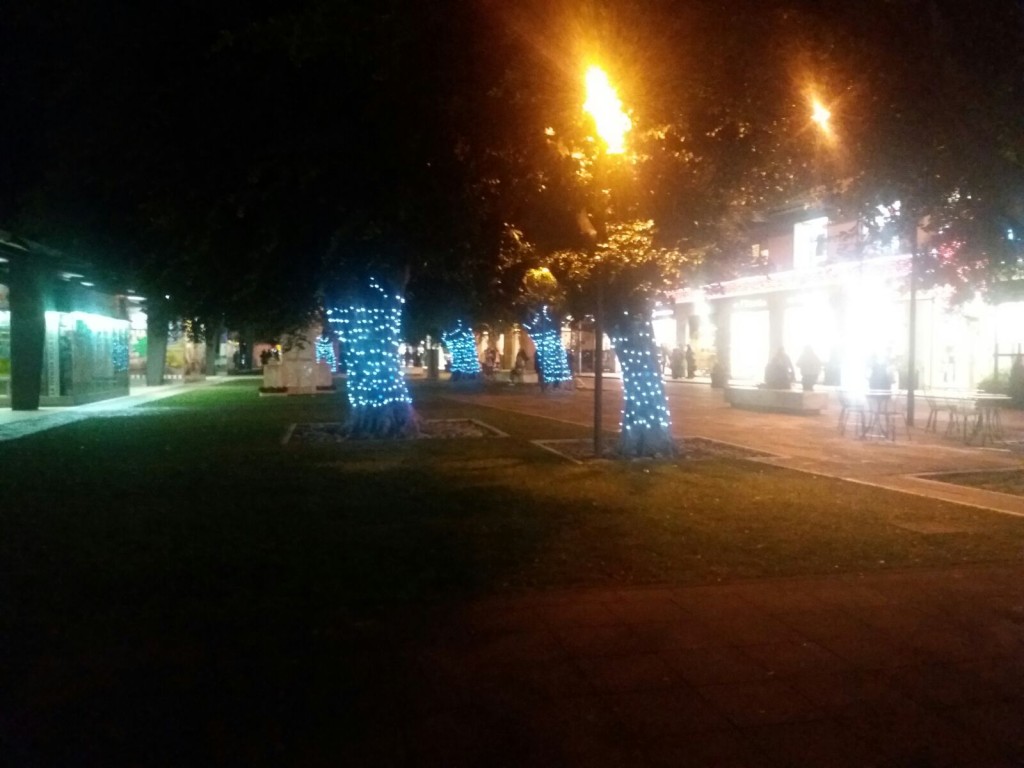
[85, 358]
[63, 341]
[852, 312]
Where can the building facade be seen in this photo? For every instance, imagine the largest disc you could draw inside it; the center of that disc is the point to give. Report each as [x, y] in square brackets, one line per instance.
[823, 285]
[62, 340]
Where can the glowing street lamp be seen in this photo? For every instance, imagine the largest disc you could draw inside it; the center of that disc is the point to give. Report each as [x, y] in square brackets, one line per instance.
[604, 105]
[821, 114]
[612, 124]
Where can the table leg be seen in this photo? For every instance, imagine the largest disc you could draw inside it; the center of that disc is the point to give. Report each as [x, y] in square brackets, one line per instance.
[978, 430]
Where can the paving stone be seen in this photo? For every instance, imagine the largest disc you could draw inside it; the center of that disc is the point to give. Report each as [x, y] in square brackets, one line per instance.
[722, 748]
[793, 658]
[760, 703]
[687, 633]
[655, 714]
[834, 691]
[907, 734]
[715, 664]
[871, 650]
[606, 640]
[817, 743]
[637, 672]
[822, 623]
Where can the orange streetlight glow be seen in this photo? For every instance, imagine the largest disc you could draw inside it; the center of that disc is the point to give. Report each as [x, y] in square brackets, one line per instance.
[820, 114]
[604, 106]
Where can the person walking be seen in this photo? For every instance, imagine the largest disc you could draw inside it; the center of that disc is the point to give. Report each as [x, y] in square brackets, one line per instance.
[691, 362]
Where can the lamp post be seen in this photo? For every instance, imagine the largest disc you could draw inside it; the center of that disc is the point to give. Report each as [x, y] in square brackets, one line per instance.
[612, 125]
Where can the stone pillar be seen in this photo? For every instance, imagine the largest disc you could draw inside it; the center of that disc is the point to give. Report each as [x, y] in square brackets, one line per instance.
[433, 362]
[156, 341]
[28, 333]
[777, 323]
[682, 318]
[213, 331]
[837, 349]
[247, 348]
[722, 369]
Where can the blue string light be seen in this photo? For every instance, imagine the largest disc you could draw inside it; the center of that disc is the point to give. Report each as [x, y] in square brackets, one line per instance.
[546, 335]
[325, 352]
[119, 353]
[462, 344]
[375, 385]
[646, 422]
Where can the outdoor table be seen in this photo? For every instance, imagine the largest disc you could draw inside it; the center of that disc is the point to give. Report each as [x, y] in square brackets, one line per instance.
[852, 403]
[987, 423]
[973, 416]
[881, 420]
[959, 406]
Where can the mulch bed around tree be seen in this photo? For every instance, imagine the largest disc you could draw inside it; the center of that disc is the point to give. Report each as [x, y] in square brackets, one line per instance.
[334, 432]
[689, 449]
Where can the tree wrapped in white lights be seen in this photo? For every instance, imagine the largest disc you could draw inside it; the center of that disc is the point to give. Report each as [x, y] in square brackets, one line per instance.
[553, 365]
[646, 423]
[462, 345]
[380, 405]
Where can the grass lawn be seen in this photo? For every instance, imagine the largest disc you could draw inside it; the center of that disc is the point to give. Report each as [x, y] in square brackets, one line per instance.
[178, 577]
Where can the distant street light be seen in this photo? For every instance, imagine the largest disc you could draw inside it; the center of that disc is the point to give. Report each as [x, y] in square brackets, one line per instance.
[612, 125]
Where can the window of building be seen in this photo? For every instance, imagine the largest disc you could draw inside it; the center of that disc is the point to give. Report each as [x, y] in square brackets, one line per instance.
[810, 242]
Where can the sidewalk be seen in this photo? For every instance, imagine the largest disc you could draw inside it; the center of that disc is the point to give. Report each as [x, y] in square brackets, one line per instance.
[896, 669]
[805, 443]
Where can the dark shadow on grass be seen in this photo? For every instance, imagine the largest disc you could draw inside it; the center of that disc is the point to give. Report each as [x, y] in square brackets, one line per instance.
[186, 591]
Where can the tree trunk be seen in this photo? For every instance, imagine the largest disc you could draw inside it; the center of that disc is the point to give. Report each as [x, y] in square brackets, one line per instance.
[552, 361]
[379, 401]
[646, 423]
[28, 334]
[462, 344]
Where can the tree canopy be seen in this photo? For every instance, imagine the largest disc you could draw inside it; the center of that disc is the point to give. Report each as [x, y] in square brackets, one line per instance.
[244, 157]
[241, 156]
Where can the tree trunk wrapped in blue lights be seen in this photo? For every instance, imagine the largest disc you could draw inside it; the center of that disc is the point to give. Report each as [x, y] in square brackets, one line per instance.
[380, 405]
[553, 364]
[646, 423]
[462, 345]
